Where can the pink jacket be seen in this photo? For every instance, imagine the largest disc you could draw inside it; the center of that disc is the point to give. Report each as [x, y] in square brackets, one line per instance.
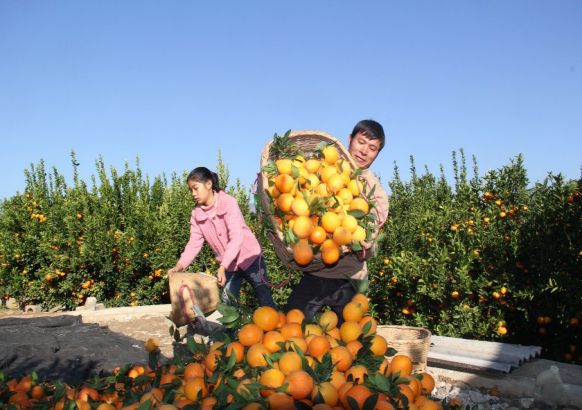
[225, 230]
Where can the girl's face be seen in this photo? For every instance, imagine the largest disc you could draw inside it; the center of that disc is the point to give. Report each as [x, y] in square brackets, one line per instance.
[363, 149]
[201, 192]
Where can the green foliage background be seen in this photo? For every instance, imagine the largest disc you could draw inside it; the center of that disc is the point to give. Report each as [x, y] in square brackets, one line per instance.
[486, 256]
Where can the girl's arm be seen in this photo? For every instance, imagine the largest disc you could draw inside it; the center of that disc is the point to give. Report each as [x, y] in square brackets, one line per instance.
[192, 247]
[234, 224]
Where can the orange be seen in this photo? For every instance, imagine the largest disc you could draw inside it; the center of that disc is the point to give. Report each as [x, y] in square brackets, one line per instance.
[406, 391]
[355, 187]
[427, 382]
[193, 370]
[359, 234]
[337, 378]
[359, 394]
[359, 204]
[313, 329]
[250, 334]
[350, 223]
[371, 327]
[295, 316]
[289, 330]
[362, 300]
[299, 384]
[290, 362]
[300, 207]
[284, 183]
[237, 349]
[325, 393]
[211, 361]
[303, 226]
[335, 182]
[318, 346]
[330, 252]
[341, 358]
[342, 236]
[350, 331]
[284, 202]
[326, 174]
[256, 355]
[266, 318]
[354, 347]
[356, 374]
[281, 401]
[284, 166]
[379, 345]
[195, 389]
[318, 235]
[297, 342]
[282, 319]
[272, 339]
[330, 154]
[330, 221]
[302, 252]
[352, 312]
[322, 191]
[272, 378]
[328, 320]
[312, 165]
[346, 195]
[334, 333]
[401, 363]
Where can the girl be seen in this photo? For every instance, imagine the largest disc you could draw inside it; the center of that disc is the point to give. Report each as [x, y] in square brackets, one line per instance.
[217, 219]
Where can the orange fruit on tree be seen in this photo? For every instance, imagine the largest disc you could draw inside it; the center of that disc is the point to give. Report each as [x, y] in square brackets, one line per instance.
[401, 363]
[195, 389]
[357, 393]
[299, 384]
[272, 339]
[356, 373]
[328, 320]
[350, 331]
[353, 312]
[266, 317]
[341, 358]
[256, 355]
[379, 345]
[250, 334]
[302, 253]
[330, 221]
[295, 316]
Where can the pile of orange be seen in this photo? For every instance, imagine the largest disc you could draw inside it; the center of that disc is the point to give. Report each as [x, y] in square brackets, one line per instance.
[278, 361]
[321, 202]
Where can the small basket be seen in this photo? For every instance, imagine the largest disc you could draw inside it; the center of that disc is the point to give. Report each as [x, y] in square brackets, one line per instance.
[307, 142]
[188, 289]
[410, 341]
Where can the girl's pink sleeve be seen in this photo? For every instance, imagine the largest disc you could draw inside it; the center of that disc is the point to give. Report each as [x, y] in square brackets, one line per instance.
[234, 224]
[194, 244]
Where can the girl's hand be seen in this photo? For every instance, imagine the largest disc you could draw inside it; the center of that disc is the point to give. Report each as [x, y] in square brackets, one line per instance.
[221, 276]
[177, 268]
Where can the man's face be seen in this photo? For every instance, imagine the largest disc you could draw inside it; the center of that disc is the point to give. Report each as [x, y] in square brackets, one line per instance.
[363, 149]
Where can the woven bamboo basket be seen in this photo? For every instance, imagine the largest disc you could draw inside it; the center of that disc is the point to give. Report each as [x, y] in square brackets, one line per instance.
[307, 141]
[410, 341]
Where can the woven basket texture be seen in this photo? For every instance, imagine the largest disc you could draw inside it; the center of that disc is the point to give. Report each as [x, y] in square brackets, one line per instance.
[205, 294]
[307, 141]
[413, 342]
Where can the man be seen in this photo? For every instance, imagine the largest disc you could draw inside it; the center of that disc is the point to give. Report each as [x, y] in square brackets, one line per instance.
[335, 286]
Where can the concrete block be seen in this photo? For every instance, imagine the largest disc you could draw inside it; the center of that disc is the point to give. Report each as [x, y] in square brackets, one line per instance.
[91, 303]
[33, 308]
[11, 303]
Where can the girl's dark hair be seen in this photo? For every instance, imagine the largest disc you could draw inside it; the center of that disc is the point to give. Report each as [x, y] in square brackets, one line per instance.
[372, 129]
[203, 175]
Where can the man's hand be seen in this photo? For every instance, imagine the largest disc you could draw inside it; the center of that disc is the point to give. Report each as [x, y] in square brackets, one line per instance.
[221, 276]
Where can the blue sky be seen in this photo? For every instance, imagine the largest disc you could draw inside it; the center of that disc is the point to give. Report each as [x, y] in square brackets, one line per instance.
[174, 82]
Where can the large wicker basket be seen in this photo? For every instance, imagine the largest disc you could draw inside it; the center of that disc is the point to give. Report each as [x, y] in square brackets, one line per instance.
[307, 141]
[410, 341]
